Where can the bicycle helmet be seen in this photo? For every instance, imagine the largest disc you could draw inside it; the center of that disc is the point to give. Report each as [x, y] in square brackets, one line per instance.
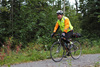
[60, 12]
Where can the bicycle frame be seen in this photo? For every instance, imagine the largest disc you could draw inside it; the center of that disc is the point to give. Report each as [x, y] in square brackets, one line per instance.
[60, 40]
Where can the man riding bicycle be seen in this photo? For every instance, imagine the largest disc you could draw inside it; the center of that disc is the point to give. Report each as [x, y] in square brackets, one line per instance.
[65, 26]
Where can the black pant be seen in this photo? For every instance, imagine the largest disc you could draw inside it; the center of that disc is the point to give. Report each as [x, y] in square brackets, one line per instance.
[68, 35]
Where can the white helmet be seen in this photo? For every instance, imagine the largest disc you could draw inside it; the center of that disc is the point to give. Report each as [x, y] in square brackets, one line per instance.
[60, 12]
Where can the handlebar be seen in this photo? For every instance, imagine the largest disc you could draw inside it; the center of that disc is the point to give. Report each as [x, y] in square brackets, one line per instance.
[59, 36]
[55, 35]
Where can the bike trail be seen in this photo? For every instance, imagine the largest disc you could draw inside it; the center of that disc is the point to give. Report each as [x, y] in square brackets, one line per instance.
[89, 60]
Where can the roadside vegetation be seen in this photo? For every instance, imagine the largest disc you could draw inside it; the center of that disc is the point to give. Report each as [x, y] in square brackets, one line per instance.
[35, 52]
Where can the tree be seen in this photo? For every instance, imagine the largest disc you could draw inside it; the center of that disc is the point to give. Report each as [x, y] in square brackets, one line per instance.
[31, 20]
[76, 3]
[90, 11]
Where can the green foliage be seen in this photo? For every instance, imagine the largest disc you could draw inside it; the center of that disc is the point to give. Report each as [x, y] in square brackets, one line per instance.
[90, 25]
[34, 21]
[99, 18]
[74, 18]
[33, 53]
[4, 9]
[97, 64]
[92, 50]
[25, 55]
[30, 22]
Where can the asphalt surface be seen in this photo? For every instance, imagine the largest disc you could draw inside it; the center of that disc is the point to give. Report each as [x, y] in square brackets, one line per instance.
[89, 60]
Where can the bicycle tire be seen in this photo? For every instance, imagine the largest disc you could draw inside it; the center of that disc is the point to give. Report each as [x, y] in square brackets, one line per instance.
[76, 50]
[54, 48]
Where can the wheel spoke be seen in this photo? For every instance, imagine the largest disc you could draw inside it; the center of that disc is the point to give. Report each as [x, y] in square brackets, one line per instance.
[76, 50]
[56, 52]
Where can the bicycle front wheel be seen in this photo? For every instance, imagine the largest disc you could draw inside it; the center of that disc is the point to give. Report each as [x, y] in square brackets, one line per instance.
[56, 52]
[76, 50]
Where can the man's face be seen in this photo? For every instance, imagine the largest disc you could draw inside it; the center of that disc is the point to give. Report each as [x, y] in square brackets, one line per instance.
[59, 16]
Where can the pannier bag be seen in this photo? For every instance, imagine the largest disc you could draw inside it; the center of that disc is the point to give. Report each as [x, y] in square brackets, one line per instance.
[76, 35]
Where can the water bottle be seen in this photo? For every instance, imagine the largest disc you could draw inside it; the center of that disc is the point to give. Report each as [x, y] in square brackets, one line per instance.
[71, 44]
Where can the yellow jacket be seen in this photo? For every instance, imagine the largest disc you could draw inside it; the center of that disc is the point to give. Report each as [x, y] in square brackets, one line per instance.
[64, 24]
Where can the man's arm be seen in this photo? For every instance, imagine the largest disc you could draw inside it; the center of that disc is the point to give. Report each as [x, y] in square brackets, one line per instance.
[56, 27]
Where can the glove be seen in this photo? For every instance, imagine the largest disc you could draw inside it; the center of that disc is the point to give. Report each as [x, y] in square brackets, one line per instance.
[63, 34]
[52, 34]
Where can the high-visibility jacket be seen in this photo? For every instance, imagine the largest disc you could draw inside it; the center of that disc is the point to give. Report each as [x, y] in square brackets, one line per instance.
[64, 24]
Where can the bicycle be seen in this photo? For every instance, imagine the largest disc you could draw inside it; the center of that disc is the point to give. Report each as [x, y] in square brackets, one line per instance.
[59, 48]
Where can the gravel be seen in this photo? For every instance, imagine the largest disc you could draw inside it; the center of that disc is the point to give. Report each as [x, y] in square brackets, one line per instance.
[89, 60]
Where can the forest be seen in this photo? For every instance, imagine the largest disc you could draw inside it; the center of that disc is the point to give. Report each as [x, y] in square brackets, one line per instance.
[27, 25]
[26, 21]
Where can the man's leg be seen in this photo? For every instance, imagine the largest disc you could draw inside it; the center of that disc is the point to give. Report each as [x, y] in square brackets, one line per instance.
[68, 35]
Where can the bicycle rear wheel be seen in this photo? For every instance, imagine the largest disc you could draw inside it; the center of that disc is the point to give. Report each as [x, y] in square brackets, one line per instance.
[57, 52]
[76, 50]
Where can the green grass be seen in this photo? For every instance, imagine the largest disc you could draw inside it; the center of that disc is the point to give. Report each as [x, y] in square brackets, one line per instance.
[29, 54]
[91, 50]
[26, 56]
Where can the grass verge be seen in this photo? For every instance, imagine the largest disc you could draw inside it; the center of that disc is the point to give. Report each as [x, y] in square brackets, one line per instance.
[31, 54]
[91, 50]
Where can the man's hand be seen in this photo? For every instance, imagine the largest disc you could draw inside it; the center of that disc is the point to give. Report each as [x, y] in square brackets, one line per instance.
[52, 34]
[63, 34]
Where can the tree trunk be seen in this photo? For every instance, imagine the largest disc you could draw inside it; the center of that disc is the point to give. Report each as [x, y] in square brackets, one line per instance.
[64, 8]
[11, 15]
[76, 6]
[59, 4]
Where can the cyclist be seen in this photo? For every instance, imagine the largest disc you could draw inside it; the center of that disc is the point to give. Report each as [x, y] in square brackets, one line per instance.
[65, 26]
